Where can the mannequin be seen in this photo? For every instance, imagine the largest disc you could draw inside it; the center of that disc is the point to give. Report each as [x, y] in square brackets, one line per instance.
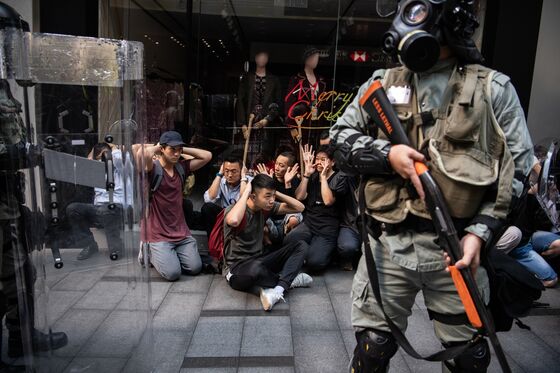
[302, 105]
[259, 94]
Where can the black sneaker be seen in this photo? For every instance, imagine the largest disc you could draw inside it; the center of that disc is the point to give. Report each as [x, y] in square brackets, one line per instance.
[88, 252]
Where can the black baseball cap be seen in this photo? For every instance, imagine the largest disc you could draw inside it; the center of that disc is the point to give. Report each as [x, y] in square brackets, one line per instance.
[171, 138]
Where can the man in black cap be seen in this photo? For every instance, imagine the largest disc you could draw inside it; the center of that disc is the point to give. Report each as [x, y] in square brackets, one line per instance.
[172, 247]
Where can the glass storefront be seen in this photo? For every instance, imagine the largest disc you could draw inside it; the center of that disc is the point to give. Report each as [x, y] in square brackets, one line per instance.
[201, 74]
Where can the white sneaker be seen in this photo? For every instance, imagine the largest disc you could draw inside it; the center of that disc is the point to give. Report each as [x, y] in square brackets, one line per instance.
[269, 297]
[302, 280]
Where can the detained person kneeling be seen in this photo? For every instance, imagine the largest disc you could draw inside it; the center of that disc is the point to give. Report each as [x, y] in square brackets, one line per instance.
[248, 268]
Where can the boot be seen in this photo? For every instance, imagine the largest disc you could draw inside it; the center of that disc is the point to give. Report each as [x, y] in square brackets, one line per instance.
[41, 342]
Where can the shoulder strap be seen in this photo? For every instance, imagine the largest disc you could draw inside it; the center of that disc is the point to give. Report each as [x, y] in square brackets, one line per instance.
[157, 176]
[181, 170]
[443, 355]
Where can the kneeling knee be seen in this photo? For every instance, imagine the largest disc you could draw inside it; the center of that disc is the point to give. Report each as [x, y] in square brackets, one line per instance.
[173, 275]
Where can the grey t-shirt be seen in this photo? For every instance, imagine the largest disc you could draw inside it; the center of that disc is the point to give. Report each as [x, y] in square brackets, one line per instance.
[245, 241]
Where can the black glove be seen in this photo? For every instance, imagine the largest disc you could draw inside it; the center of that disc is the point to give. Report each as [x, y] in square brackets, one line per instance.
[369, 161]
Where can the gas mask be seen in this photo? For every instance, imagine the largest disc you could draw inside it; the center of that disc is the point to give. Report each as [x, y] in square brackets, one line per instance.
[421, 27]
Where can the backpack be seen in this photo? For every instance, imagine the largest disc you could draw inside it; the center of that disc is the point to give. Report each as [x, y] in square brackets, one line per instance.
[513, 289]
[216, 240]
[158, 175]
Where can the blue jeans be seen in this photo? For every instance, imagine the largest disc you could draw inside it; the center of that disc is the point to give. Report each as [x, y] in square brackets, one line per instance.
[349, 242]
[529, 255]
[172, 258]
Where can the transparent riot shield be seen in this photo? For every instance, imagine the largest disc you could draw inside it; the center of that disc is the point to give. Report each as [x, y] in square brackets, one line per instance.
[73, 296]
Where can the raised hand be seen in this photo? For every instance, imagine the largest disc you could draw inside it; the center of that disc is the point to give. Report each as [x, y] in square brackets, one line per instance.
[261, 169]
[291, 173]
[308, 157]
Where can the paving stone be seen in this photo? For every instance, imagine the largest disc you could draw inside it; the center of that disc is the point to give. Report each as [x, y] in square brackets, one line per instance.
[48, 364]
[338, 281]
[216, 336]
[105, 365]
[193, 284]
[530, 352]
[60, 301]
[117, 336]
[209, 370]
[267, 336]
[105, 295]
[222, 297]
[79, 281]
[319, 351]
[266, 370]
[79, 325]
[342, 304]
[311, 309]
[179, 311]
[136, 298]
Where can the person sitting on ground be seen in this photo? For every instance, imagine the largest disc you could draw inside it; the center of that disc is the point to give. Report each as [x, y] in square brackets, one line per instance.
[225, 190]
[83, 216]
[286, 182]
[349, 239]
[172, 248]
[247, 267]
[320, 189]
[537, 241]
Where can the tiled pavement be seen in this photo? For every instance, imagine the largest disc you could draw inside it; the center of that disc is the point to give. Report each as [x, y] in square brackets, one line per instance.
[201, 325]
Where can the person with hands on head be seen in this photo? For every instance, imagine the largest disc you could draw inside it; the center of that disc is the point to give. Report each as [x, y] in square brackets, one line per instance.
[320, 189]
[286, 182]
[227, 186]
[248, 268]
[172, 248]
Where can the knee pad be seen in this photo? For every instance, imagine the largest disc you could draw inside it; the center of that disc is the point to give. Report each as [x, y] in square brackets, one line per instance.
[373, 351]
[475, 360]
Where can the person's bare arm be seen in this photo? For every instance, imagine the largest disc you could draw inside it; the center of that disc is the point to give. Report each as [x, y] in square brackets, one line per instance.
[288, 205]
[214, 189]
[235, 216]
[145, 154]
[326, 192]
[308, 156]
[201, 157]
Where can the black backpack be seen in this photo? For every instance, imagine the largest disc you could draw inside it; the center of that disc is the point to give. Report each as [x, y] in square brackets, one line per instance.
[513, 289]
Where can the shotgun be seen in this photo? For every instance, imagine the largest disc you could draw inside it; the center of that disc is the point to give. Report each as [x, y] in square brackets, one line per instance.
[376, 103]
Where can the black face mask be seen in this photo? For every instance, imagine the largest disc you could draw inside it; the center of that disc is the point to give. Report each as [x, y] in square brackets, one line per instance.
[421, 27]
[415, 36]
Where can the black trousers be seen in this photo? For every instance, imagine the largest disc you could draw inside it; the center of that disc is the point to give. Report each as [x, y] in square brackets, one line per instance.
[279, 267]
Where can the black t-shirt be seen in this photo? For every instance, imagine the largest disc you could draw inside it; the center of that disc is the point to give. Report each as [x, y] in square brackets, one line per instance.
[322, 219]
[280, 187]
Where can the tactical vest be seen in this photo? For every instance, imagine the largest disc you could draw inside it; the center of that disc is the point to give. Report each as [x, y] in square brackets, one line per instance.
[466, 150]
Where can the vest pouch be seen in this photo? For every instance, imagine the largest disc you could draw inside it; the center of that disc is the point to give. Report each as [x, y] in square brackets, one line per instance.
[384, 199]
[463, 123]
[463, 174]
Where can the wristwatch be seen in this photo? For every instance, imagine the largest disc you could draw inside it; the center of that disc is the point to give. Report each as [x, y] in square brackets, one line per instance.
[245, 180]
[219, 174]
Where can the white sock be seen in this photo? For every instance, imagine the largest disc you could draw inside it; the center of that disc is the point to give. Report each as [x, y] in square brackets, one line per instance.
[279, 289]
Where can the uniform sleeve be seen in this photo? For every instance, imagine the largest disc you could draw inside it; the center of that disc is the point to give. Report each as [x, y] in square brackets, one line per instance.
[509, 115]
[353, 123]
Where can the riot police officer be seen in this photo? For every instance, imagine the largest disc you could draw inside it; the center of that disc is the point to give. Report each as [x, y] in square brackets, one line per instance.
[465, 121]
